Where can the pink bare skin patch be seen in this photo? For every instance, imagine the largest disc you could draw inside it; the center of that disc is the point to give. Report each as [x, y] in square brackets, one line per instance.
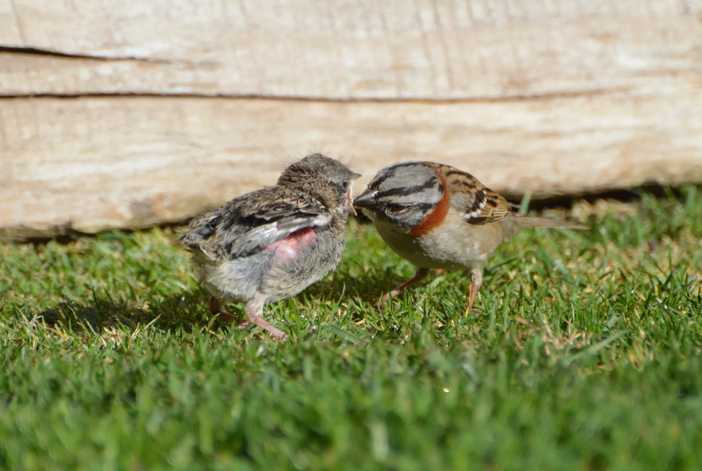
[292, 245]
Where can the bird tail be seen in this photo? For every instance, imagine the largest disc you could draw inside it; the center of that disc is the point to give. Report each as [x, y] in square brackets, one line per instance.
[529, 221]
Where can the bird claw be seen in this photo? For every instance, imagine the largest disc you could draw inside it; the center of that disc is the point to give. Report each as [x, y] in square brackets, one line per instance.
[226, 316]
[282, 336]
[234, 320]
[380, 305]
[273, 331]
[242, 324]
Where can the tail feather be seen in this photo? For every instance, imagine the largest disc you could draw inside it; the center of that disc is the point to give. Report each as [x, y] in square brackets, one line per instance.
[529, 221]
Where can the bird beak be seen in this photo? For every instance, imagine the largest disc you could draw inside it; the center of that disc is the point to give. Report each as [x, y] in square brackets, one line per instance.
[349, 198]
[365, 200]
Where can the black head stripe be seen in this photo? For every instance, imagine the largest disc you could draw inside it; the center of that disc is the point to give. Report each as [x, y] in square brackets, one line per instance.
[389, 172]
[407, 190]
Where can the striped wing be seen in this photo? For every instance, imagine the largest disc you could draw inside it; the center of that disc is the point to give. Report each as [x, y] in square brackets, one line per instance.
[253, 222]
[478, 203]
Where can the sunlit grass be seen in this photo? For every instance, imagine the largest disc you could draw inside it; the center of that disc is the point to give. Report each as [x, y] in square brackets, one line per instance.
[585, 354]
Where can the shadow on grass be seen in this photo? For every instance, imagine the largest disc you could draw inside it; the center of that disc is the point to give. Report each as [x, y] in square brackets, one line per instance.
[368, 287]
[183, 312]
[186, 312]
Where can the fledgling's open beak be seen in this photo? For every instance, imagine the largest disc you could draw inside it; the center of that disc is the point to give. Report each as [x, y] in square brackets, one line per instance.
[348, 207]
[349, 195]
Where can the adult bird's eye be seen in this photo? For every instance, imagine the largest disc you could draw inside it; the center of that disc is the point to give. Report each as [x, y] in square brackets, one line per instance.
[396, 208]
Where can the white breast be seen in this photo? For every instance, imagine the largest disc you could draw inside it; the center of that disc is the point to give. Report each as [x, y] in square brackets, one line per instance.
[453, 246]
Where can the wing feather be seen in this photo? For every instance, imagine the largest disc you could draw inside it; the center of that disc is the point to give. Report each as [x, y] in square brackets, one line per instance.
[478, 203]
[251, 222]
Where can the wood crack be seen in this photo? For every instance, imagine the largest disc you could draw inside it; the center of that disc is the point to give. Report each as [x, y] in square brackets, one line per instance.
[312, 99]
[71, 55]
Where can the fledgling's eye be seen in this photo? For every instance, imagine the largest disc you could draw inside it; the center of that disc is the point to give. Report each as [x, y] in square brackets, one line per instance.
[344, 186]
[396, 208]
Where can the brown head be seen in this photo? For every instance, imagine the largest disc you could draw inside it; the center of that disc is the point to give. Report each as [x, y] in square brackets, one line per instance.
[325, 178]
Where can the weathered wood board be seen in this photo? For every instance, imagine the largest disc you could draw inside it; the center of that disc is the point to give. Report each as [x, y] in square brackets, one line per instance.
[149, 112]
[89, 164]
[341, 49]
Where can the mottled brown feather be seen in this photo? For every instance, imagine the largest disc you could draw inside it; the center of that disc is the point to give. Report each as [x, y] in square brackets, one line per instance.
[479, 203]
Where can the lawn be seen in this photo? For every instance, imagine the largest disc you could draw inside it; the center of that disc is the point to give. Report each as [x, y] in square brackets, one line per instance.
[586, 355]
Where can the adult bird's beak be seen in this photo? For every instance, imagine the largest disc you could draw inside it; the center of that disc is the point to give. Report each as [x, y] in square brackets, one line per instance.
[365, 200]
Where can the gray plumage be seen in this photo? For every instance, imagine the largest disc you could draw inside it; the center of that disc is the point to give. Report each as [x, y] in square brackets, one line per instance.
[273, 243]
[404, 193]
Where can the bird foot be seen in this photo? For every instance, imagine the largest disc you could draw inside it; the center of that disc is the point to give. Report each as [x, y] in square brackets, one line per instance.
[419, 275]
[274, 332]
[213, 305]
[277, 334]
[226, 316]
[232, 319]
[380, 305]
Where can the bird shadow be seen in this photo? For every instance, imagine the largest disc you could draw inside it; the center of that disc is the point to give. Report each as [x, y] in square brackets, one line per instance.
[184, 312]
[367, 287]
[187, 311]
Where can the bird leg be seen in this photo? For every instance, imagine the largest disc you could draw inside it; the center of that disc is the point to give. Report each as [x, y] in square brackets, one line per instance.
[419, 275]
[213, 305]
[215, 309]
[476, 280]
[254, 312]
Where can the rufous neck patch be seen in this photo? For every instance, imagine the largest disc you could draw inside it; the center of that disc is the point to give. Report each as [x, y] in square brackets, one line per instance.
[437, 215]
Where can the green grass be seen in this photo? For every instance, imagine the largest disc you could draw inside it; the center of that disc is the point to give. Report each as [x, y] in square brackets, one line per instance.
[587, 355]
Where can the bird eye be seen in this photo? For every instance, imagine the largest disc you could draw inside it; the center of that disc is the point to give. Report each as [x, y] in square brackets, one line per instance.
[396, 208]
[344, 186]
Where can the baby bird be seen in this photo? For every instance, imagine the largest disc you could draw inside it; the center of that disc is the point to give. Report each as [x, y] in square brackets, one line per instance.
[437, 216]
[272, 243]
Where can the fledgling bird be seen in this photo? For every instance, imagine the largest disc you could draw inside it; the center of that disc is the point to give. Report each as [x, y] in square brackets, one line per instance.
[272, 243]
[437, 216]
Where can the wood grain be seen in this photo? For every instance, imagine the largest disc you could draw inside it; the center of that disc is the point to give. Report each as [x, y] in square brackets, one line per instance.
[90, 164]
[131, 113]
[338, 49]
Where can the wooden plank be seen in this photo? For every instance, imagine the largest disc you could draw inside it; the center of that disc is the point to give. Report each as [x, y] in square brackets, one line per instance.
[552, 97]
[339, 49]
[9, 26]
[90, 164]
